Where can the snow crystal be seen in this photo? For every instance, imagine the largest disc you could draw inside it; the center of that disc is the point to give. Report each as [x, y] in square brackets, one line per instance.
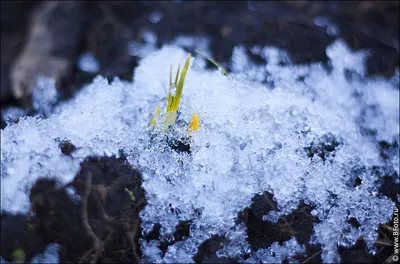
[45, 95]
[304, 138]
[331, 28]
[200, 43]
[87, 62]
[156, 16]
[143, 49]
[12, 114]
[276, 253]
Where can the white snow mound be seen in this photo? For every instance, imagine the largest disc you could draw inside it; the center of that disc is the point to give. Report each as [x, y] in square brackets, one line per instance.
[254, 128]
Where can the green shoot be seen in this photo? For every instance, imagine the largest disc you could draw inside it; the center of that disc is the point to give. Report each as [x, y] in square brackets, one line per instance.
[225, 71]
[174, 99]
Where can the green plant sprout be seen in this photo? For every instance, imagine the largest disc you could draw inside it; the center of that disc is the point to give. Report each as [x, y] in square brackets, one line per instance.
[225, 71]
[131, 196]
[174, 98]
[18, 256]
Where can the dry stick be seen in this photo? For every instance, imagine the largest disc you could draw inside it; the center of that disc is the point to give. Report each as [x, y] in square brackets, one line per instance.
[310, 258]
[47, 50]
[96, 247]
[130, 235]
[388, 228]
[104, 216]
[383, 242]
[389, 259]
[114, 20]
[140, 203]
[108, 238]
[392, 42]
[283, 217]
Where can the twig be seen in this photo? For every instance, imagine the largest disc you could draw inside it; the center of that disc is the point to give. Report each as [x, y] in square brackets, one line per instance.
[383, 242]
[388, 228]
[96, 247]
[130, 235]
[389, 259]
[310, 258]
[293, 233]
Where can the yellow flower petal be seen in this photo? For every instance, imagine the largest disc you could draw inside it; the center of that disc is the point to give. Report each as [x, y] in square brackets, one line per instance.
[194, 123]
[156, 114]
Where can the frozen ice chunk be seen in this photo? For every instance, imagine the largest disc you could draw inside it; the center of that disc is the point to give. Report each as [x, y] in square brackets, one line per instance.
[12, 114]
[45, 95]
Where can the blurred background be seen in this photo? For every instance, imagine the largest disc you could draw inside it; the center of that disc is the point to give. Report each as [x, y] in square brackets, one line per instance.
[72, 41]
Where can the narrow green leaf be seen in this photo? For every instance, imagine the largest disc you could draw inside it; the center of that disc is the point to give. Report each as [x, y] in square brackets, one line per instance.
[213, 62]
[179, 87]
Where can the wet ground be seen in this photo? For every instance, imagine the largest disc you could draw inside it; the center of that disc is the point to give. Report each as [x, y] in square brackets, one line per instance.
[106, 29]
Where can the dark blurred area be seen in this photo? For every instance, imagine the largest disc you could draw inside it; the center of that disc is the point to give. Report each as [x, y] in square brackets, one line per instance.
[39, 37]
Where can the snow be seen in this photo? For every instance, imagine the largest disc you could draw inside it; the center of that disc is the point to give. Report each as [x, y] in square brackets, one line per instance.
[50, 255]
[156, 16]
[44, 95]
[331, 28]
[276, 253]
[252, 138]
[142, 49]
[87, 62]
[12, 114]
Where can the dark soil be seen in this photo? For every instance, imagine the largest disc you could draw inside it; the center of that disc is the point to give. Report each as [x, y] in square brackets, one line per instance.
[102, 224]
[182, 231]
[108, 27]
[385, 243]
[299, 223]
[67, 147]
[357, 253]
[323, 147]
[207, 251]
[261, 234]
[390, 188]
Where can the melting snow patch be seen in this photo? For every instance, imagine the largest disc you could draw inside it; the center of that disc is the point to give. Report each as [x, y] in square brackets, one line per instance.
[305, 139]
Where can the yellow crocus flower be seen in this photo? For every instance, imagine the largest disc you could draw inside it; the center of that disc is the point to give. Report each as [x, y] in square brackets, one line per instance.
[194, 123]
